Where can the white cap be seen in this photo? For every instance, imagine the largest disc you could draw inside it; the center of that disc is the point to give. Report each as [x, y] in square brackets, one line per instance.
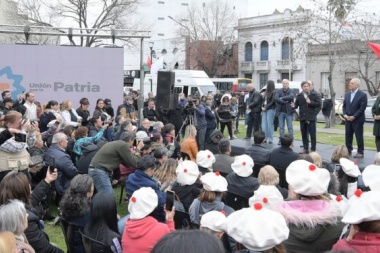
[205, 158]
[142, 203]
[214, 220]
[307, 179]
[257, 228]
[341, 202]
[187, 172]
[371, 177]
[213, 181]
[243, 165]
[363, 207]
[268, 195]
[349, 167]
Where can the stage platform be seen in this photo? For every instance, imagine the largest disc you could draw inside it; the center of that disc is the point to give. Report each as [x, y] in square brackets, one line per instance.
[239, 145]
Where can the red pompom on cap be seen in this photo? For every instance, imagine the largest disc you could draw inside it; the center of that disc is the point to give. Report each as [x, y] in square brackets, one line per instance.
[265, 200]
[312, 167]
[339, 198]
[223, 212]
[258, 206]
[244, 163]
[133, 199]
[356, 163]
[185, 170]
[217, 173]
[209, 156]
[358, 193]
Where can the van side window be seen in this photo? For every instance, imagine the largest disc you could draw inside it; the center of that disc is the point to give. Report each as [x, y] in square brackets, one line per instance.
[194, 91]
[177, 90]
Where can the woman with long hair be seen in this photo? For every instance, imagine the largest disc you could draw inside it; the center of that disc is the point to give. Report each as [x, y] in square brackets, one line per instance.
[83, 111]
[16, 185]
[166, 174]
[268, 107]
[224, 112]
[102, 226]
[69, 115]
[210, 199]
[189, 144]
[75, 206]
[100, 111]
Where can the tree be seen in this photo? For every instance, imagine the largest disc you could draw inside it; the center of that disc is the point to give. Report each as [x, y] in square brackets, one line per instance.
[365, 59]
[96, 15]
[209, 28]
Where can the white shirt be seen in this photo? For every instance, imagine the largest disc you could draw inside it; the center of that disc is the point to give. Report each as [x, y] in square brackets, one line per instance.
[31, 110]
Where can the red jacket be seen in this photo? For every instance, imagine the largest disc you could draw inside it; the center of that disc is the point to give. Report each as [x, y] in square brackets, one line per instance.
[361, 243]
[141, 235]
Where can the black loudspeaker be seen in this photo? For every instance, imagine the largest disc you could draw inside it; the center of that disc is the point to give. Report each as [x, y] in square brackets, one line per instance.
[165, 90]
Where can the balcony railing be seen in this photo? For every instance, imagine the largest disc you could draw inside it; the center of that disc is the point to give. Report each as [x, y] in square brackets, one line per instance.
[246, 66]
[262, 65]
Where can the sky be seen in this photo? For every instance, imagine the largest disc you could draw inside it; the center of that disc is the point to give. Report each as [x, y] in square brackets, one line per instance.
[260, 7]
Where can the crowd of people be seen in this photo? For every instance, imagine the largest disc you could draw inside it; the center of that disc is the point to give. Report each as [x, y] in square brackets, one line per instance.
[292, 202]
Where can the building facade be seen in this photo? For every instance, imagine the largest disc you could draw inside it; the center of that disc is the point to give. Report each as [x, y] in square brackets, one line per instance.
[268, 46]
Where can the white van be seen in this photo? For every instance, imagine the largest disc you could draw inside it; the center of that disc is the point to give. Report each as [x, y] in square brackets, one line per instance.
[190, 82]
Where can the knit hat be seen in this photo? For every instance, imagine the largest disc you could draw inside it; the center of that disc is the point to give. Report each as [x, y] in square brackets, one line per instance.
[243, 165]
[205, 158]
[214, 220]
[307, 179]
[371, 177]
[257, 228]
[187, 172]
[268, 195]
[140, 135]
[349, 167]
[213, 181]
[341, 202]
[364, 207]
[142, 203]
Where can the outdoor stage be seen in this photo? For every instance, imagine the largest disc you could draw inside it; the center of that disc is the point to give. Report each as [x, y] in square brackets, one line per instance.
[239, 145]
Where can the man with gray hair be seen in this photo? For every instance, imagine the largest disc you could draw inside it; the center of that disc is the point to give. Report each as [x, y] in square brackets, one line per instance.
[65, 166]
[354, 104]
[157, 126]
[109, 157]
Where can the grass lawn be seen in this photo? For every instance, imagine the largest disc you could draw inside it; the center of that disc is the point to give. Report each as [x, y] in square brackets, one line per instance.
[55, 232]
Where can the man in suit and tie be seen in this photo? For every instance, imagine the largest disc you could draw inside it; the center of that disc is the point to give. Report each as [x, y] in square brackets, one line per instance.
[354, 104]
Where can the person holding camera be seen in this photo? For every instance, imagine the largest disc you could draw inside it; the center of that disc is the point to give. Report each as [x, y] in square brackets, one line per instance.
[16, 136]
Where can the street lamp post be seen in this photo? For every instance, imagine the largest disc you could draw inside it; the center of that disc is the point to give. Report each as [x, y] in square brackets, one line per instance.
[151, 44]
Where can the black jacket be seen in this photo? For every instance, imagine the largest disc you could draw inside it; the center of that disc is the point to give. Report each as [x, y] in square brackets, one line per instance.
[281, 157]
[150, 114]
[270, 103]
[327, 107]
[187, 193]
[307, 112]
[258, 153]
[210, 118]
[37, 238]
[255, 101]
[244, 186]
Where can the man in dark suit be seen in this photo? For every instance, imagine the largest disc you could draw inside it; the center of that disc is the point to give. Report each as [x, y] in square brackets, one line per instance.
[223, 160]
[354, 104]
[254, 103]
[257, 151]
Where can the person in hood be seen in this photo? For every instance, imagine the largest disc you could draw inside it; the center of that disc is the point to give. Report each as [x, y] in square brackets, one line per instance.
[312, 217]
[142, 231]
[210, 198]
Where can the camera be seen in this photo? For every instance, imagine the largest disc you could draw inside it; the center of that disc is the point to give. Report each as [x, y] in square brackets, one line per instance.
[191, 103]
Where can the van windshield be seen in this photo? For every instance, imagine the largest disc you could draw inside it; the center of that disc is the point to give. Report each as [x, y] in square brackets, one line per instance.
[205, 89]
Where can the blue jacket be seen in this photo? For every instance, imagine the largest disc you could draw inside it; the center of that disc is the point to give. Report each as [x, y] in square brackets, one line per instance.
[357, 107]
[200, 116]
[64, 164]
[139, 179]
[283, 99]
